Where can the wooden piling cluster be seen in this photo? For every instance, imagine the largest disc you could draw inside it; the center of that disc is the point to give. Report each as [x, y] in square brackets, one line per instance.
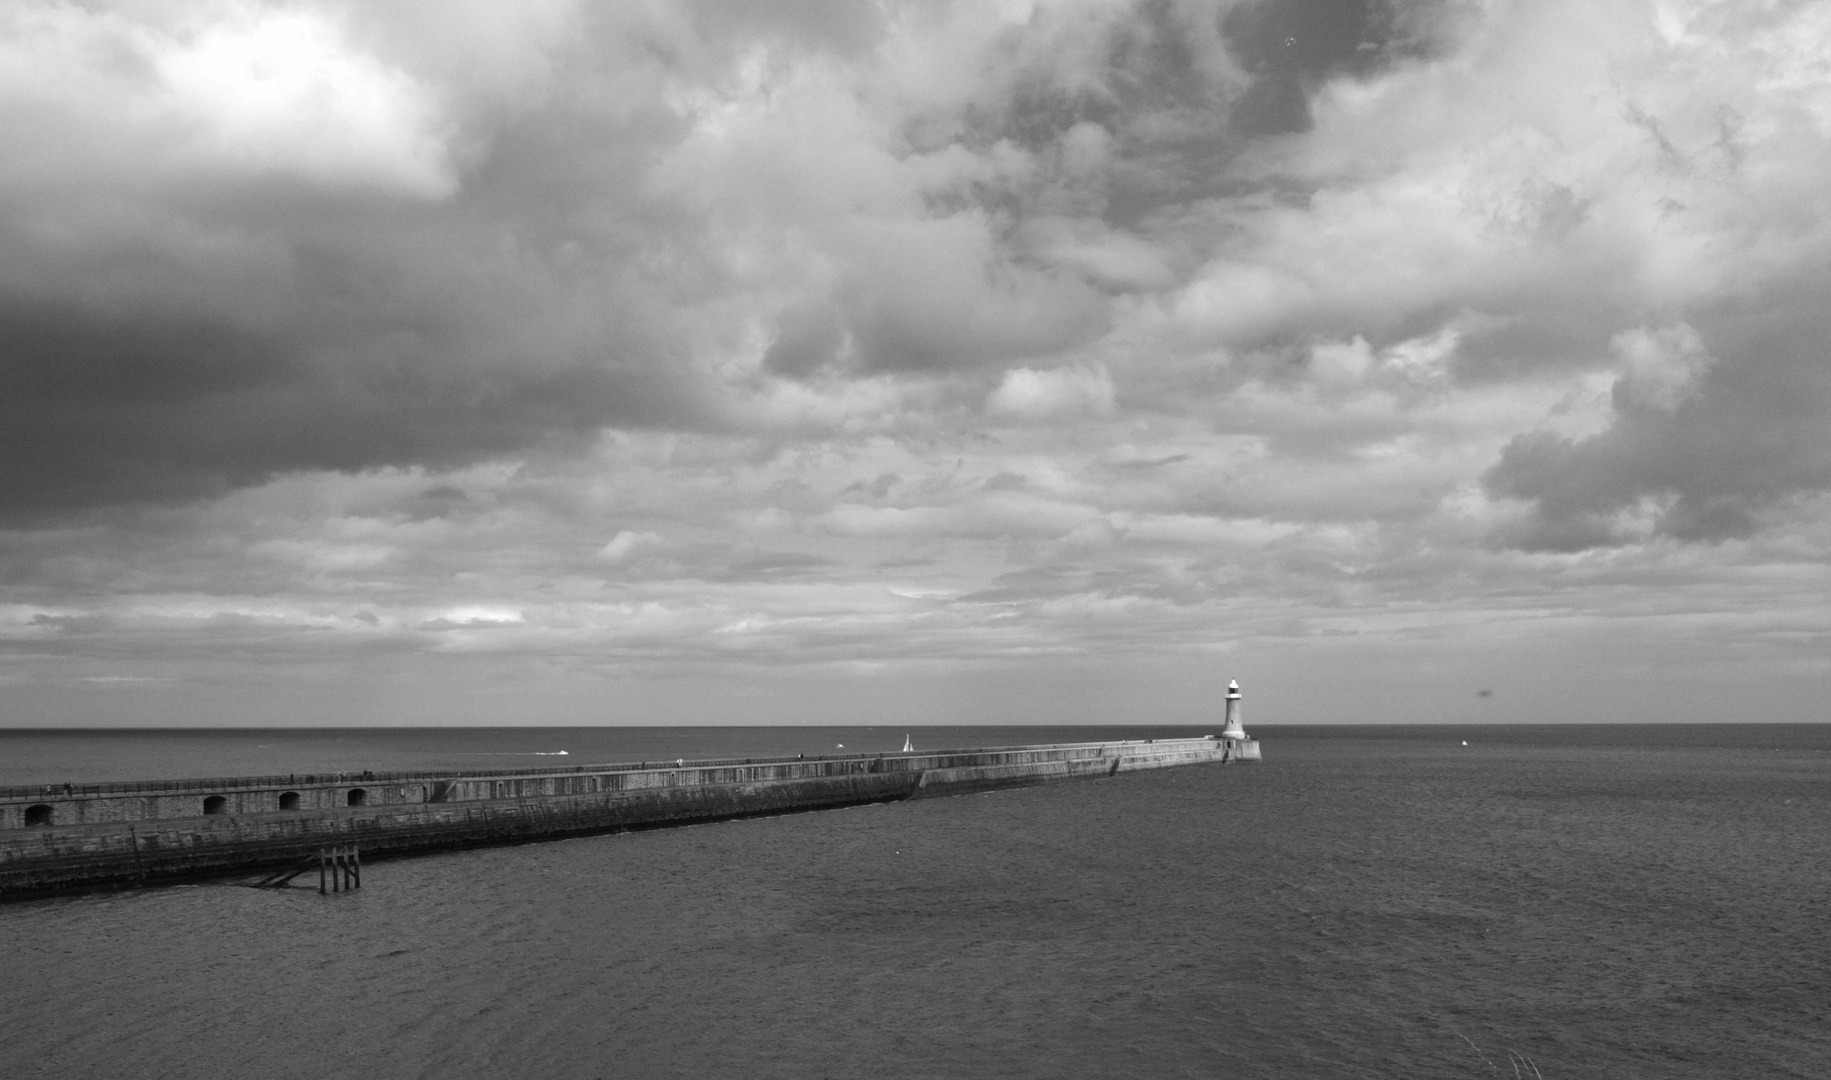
[344, 864]
[340, 866]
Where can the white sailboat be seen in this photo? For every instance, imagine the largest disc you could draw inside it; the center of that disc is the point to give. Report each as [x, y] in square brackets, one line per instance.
[908, 747]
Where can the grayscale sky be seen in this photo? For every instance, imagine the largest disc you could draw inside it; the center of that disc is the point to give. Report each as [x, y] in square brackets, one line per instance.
[459, 361]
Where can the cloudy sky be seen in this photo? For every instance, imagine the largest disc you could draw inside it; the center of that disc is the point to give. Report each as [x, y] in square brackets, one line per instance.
[914, 362]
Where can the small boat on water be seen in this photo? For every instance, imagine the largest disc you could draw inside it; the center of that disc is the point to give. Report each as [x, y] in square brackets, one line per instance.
[908, 747]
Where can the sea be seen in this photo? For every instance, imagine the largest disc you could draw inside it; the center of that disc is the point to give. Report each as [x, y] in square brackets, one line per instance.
[1611, 901]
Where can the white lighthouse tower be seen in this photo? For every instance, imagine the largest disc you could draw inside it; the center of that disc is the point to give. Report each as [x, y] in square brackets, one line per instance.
[1233, 736]
[1233, 730]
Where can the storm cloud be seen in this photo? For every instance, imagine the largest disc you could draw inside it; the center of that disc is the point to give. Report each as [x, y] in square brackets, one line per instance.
[656, 360]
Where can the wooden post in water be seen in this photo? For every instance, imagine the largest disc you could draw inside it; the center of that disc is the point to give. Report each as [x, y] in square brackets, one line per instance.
[139, 867]
[343, 865]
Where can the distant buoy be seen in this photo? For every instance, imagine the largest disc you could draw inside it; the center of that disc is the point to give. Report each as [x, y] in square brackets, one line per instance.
[1465, 742]
[839, 746]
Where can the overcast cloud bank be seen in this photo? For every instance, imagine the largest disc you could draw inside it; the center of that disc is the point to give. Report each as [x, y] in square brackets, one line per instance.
[927, 362]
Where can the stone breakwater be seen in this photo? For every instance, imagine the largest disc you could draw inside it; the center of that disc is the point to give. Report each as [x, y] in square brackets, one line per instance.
[100, 836]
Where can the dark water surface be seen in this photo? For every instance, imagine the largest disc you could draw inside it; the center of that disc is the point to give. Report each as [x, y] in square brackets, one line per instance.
[1614, 902]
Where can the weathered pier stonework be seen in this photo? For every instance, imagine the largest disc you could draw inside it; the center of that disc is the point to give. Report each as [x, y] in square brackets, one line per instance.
[115, 835]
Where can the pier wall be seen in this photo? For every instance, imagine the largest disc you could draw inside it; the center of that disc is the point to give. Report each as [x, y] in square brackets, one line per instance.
[119, 839]
[113, 855]
[156, 800]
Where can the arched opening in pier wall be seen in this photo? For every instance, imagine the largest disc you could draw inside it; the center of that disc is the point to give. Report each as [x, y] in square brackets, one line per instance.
[215, 804]
[357, 797]
[289, 800]
[39, 814]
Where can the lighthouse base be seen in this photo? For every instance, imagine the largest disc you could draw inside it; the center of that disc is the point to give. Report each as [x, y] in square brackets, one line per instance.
[1240, 749]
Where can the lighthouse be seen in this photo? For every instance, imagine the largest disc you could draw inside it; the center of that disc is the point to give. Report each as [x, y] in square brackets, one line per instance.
[1233, 730]
[1235, 745]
